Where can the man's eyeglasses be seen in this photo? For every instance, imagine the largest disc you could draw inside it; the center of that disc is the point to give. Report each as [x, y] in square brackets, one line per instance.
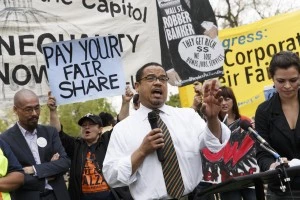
[29, 110]
[152, 78]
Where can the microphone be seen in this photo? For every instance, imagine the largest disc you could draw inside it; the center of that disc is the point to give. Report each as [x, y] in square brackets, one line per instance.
[152, 117]
[246, 125]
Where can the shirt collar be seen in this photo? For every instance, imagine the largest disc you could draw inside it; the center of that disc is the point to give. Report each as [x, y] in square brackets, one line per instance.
[23, 131]
[143, 111]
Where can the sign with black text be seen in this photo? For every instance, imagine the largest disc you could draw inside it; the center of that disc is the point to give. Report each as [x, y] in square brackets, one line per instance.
[84, 69]
[26, 25]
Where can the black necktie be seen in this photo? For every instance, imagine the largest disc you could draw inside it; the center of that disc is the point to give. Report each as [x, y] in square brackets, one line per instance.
[170, 166]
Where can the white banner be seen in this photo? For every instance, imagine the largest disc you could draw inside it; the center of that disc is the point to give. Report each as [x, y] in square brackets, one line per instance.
[26, 25]
[85, 69]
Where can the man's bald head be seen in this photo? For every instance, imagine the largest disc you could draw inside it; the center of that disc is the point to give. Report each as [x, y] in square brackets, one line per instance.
[23, 94]
[27, 107]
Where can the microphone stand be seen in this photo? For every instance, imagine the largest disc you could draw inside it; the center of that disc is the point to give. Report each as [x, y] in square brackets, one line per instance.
[283, 177]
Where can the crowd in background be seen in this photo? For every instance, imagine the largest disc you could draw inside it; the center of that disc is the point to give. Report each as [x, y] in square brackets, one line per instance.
[119, 158]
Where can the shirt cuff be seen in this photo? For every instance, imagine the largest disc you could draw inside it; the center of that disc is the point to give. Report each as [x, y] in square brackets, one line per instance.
[35, 173]
[125, 171]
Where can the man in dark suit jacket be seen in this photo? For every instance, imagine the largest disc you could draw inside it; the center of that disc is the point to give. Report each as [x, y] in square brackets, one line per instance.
[39, 151]
[200, 12]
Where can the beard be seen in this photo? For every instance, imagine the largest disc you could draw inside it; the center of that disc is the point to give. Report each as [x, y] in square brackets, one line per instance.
[32, 123]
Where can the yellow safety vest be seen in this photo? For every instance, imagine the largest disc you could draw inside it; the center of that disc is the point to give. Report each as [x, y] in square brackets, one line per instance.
[3, 171]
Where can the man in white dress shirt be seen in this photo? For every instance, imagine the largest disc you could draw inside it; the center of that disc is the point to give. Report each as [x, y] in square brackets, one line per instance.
[131, 157]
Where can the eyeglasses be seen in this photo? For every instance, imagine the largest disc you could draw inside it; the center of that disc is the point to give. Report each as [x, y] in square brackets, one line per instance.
[152, 78]
[29, 110]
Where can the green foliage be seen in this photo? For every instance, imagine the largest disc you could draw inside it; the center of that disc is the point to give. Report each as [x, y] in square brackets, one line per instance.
[174, 101]
[3, 125]
[68, 114]
[8, 120]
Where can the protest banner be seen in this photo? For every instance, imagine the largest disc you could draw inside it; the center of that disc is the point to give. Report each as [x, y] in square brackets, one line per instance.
[27, 24]
[249, 50]
[84, 69]
[189, 53]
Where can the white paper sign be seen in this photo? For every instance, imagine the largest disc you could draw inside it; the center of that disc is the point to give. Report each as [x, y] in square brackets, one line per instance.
[201, 52]
[85, 69]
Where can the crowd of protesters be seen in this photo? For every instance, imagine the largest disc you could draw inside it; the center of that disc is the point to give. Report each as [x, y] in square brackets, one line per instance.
[156, 151]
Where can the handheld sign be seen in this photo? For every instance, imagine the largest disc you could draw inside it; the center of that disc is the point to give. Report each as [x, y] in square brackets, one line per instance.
[84, 69]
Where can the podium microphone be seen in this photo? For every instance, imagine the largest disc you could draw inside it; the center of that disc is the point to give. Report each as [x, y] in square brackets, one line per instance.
[152, 117]
[246, 125]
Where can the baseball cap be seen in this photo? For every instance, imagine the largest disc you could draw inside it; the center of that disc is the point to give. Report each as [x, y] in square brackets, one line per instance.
[95, 118]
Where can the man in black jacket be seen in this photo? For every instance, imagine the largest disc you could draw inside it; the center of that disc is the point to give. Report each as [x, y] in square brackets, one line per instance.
[39, 151]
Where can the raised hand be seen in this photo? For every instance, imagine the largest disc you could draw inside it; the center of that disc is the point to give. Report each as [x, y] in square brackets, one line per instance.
[211, 99]
[51, 102]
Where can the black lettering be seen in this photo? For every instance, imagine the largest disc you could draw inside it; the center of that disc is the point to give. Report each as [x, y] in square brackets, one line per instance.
[15, 77]
[120, 36]
[242, 58]
[87, 69]
[114, 8]
[91, 85]
[69, 50]
[38, 77]
[10, 48]
[103, 7]
[67, 72]
[84, 47]
[23, 44]
[78, 88]
[77, 70]
[91, 180]
[139, 13]
[260, 75]
[106, 49]
[95, 44]
[66, 2]
[59, 53]
[101, 82]
[87, 6]
[226, 61]
[112, 79]
[96, 67]
[113, 43]
[259, 55]
[5, 78]
[42, 38]
[84, 180]
[63, 86]
[97, 182]
[48, 54]
[248, 74]
[129, 6]
[133, 42]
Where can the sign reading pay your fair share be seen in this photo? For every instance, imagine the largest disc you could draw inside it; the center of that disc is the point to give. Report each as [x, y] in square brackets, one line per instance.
[84, 69]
